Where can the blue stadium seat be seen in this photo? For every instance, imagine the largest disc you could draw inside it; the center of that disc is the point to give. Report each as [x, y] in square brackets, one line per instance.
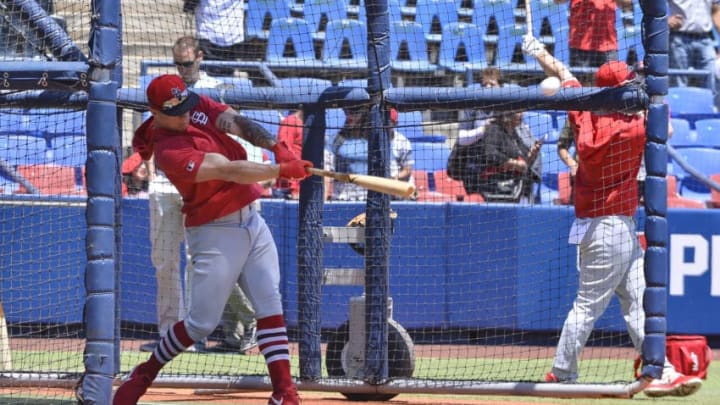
[551, 162]
[541, 125]
[690, 100]
[14, 121]
[409, 36]
[704, 160]
[361, 83]
[395, 10]
[296, 33]
[268, 119]
[509, 40]
[334, 121]
[551, 166]
[501, 11]
[461, 48]
[50, 123]
[318, 11]
[629, 38]
[682, 136]
[68, 150]
[431, 13]
[557, 17]
[430, 156]
[708, 132]
[22, 149]
[560, 118]
[345, 36]
[237, 82]
[410, 124]
[256, 13]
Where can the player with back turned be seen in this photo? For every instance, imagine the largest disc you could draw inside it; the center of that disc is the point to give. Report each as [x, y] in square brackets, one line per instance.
[228, 240]
[610, 147]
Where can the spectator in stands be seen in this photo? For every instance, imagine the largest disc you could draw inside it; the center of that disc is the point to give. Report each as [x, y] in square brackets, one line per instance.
[503, 166]
[691, 39]
[220, 29]
[610, 256]
[350, 153]
[472, 122]
[593, 38]
[167, 232]
[135, 176]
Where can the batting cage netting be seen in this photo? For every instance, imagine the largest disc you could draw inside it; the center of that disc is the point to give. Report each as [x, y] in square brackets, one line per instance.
[462, 287]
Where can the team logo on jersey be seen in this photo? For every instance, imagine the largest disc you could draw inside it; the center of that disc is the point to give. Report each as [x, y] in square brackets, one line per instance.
[199, 118]
[190, 166]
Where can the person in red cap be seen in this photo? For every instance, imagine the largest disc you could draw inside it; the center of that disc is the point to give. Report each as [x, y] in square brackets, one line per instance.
[135, 176]
[229, 242]
[610, 147]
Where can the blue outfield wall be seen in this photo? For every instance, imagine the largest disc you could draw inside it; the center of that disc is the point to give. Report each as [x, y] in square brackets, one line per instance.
[436, 281]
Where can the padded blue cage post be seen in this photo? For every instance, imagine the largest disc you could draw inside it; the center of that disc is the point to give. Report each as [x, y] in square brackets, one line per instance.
[378, 205]
[102, 350]
[310, 246]
[654, 24]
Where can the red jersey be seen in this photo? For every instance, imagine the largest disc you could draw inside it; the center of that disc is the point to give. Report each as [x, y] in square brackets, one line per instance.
[610, 148]
[180, 154]
[291, 131]
[592, 25]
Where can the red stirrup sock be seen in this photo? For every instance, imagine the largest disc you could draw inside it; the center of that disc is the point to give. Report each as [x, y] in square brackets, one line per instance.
[172, 344]
[273, 343]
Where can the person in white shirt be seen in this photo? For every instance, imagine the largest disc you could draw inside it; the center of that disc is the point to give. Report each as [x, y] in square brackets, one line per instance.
[220, 30]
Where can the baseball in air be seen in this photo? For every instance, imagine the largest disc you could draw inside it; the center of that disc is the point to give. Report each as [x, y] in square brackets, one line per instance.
[550, 85]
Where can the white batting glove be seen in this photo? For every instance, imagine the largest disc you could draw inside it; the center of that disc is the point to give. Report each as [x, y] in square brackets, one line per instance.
[531, 46]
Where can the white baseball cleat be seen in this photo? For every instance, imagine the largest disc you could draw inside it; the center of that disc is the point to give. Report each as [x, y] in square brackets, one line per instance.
[673, 384]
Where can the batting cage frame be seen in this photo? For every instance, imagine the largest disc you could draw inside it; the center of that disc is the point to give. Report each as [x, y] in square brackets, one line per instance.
[95, 82]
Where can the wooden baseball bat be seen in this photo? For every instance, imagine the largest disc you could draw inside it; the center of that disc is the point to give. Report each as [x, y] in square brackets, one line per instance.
[5, 356]
[375, 183]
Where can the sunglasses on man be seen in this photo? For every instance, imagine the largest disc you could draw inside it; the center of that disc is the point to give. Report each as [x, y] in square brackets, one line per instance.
[185, 64]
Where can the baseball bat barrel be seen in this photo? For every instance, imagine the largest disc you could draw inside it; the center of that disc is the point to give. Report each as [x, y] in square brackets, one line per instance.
[374, 183]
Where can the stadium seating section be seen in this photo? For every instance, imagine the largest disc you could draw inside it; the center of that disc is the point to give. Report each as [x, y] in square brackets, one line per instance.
[302, 38]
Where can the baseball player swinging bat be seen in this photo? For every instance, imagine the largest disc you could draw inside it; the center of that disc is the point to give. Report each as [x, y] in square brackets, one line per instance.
[374, 183]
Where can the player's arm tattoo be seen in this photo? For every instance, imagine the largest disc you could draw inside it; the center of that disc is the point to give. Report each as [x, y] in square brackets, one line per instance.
[246, 128]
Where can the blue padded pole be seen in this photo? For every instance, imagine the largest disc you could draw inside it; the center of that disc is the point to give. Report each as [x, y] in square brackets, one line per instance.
[377, 231]
[102, 350]
[655, 41]
[310, 247]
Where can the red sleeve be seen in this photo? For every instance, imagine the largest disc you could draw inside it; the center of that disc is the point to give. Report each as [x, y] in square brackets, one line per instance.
[291, 131]
[142, 139]
[211, 107]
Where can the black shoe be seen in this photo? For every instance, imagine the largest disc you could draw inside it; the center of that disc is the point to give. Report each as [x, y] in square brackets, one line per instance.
[225, 348]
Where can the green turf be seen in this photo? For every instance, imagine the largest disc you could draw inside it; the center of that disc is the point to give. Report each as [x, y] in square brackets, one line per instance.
[425, 368]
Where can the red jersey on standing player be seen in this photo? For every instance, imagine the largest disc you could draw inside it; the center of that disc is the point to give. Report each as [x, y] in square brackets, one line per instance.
[611, 147]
